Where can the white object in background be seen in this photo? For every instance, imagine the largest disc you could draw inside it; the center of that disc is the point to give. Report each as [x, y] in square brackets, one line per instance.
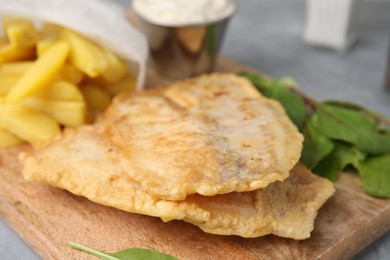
[332, 23]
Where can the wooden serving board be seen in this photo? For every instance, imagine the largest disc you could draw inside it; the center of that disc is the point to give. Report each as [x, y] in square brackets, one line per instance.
[48, 218]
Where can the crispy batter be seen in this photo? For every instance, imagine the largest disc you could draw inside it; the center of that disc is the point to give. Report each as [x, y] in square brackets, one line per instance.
[86, 163]
[286, 209]
[209, 135]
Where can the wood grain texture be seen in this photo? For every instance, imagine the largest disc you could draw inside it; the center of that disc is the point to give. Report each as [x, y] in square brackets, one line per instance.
[48, 218]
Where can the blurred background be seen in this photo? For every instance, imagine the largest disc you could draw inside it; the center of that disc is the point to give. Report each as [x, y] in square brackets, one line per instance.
[268, 35]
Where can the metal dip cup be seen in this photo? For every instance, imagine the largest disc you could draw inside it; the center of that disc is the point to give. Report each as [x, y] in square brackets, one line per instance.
[184, 51]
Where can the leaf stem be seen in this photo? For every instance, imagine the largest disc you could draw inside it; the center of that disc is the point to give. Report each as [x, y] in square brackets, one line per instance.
[91, 251]
[311, 103]
[378, 119]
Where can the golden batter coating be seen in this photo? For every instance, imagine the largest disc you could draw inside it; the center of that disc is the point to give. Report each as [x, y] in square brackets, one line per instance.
[208, 135]
[85, 162]
[285, 209]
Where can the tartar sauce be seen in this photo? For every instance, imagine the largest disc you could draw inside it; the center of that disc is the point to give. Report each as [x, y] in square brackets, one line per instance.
[184, 12]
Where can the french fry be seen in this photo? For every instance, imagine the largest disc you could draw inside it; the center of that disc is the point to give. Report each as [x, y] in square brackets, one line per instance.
[71, 74]
[41, 77]
[11, 21]
[10, 73]
[7, 139]
[10, 53]
[62, 101]
[26, 123]
[6, 84]
[20, 33]
[116, 70]
[85, 55]
[68, 113]
[43, 45]
[61, 91]
[127, 84]
[43, 71]
[3, 42]
[96, 98]
[49, 34]
[14, 69]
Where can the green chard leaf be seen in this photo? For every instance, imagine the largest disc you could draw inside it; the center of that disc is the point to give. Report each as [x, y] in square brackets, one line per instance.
[261, 82]
[315, 145]
[375, 175]
[381, 119]
[127, 254]
[342, 155]
[352, 127]
[292, 103]
[282, 91]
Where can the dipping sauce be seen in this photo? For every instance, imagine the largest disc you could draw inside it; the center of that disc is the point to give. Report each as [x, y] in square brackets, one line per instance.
[184, 12]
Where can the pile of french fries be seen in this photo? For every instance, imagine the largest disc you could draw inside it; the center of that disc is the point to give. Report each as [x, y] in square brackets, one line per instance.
[53, 77]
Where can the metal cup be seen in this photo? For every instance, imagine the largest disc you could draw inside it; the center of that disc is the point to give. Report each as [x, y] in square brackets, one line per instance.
[184, 51]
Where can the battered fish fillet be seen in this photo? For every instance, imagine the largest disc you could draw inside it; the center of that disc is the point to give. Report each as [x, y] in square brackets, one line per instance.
[208, 135]
[86, 162]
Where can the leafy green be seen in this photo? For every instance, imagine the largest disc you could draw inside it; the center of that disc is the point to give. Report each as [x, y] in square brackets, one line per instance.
[341, 156]
[337, 134]
[283, 91]
[127, 254]
[261, 82]
[381, 119]
[292, 103]
[316, 146]
[375, 175]
[353, 127]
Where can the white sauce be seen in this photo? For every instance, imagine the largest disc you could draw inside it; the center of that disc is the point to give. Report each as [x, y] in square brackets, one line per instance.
[184, 12]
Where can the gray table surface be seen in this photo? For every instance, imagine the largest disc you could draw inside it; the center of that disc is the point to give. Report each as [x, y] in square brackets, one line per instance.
[267, 35]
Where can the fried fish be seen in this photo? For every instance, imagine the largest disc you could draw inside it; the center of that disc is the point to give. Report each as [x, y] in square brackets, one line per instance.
[86, 162]
[210, 151]
[208, 135]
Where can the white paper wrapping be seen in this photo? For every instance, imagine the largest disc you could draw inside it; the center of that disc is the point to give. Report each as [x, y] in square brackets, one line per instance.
[103, 22]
